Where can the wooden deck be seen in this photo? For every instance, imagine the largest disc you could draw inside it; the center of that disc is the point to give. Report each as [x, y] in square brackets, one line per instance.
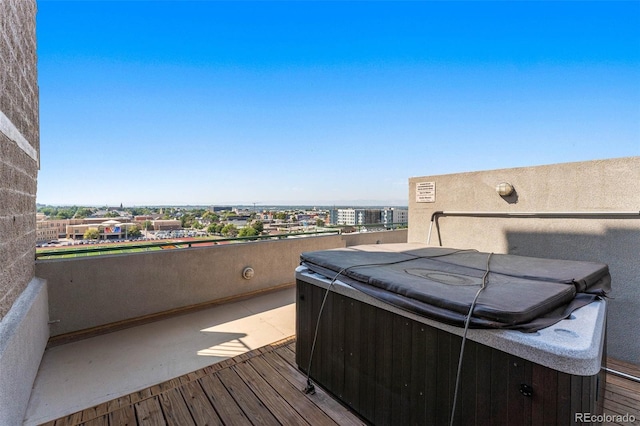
[261, 387]
[622, 396]
[264, 387]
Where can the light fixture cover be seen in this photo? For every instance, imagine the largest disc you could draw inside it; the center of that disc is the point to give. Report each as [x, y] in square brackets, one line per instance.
[504, 189]
[247, 273]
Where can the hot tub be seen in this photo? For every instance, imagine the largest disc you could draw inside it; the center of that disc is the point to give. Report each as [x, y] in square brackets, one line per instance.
[393, 364]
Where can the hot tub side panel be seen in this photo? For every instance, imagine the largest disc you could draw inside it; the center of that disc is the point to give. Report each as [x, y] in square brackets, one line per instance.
[395, 370]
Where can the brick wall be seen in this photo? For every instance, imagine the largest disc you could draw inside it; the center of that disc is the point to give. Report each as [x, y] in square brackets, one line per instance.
[19, 147]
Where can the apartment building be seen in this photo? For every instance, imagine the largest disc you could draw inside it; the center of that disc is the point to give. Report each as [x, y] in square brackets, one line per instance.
[354, 217]
[345, 217]
[393, 215]
[367, 216]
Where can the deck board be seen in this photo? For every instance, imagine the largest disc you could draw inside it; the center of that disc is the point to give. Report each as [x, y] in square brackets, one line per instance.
[198, 405]
[621, 395]
[220, 398]
[148, 412]
[264, 387]
[283, 360]
[124, 416]
[98, 421]
[305, 408]
[255, 409]
[70, 420]
[175, 409]
[275, 403]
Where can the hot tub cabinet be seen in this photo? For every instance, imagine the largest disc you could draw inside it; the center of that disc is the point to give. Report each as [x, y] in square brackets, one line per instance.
[394, 367]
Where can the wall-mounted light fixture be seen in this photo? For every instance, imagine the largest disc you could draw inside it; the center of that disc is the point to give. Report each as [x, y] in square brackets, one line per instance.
[247, 273]
[504, 189]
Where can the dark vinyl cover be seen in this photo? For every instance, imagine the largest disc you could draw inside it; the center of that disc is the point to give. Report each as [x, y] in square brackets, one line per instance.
[523, 293]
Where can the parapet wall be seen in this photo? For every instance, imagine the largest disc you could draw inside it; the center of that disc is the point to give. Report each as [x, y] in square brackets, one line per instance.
[611, 185]
[96, 291]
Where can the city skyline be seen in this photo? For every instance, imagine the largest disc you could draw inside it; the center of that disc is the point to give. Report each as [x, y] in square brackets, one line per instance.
[250, 207]
[314, 103]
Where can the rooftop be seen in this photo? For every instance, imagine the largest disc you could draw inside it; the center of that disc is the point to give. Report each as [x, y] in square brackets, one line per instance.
[89, 372]
[232, 364]
[121, 325]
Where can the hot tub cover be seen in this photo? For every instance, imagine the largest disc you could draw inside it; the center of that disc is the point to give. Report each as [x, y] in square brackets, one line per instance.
[523, 293]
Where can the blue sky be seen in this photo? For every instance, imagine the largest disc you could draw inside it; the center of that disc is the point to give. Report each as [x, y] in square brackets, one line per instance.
[177, 102]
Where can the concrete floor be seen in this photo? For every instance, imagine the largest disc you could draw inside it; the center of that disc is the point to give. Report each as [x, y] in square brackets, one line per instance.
[82, 374]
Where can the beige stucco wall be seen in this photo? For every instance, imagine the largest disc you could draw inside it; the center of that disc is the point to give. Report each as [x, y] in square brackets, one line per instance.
[99, 290]
[387, 237]
[605, 185]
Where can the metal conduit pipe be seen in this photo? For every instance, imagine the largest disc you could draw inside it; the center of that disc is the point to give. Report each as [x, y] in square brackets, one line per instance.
[544, 215]
[539, 215]
[621, 374]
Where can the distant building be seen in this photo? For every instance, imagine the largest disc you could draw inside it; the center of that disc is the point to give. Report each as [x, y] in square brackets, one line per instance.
[345, 217]
[355, 216]
[166, 224]
[47, 230]
[238, 221]
[98, 220]
[266, 216]
[393, 215]
[238, 217]
[332, 218]
[367, 216]
[103, 213]
[222, 208]
[110, 229]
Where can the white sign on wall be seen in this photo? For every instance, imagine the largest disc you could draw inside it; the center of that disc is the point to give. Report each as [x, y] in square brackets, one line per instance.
[425, 192]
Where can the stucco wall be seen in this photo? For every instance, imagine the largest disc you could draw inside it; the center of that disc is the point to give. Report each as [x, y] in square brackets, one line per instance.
[23, 338]
[99, 290]
[606, 185]
[19, 145]
[387, 237]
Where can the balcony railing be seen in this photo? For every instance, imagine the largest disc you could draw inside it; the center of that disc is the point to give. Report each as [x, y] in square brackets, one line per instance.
[101, 247]
[177, 243]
